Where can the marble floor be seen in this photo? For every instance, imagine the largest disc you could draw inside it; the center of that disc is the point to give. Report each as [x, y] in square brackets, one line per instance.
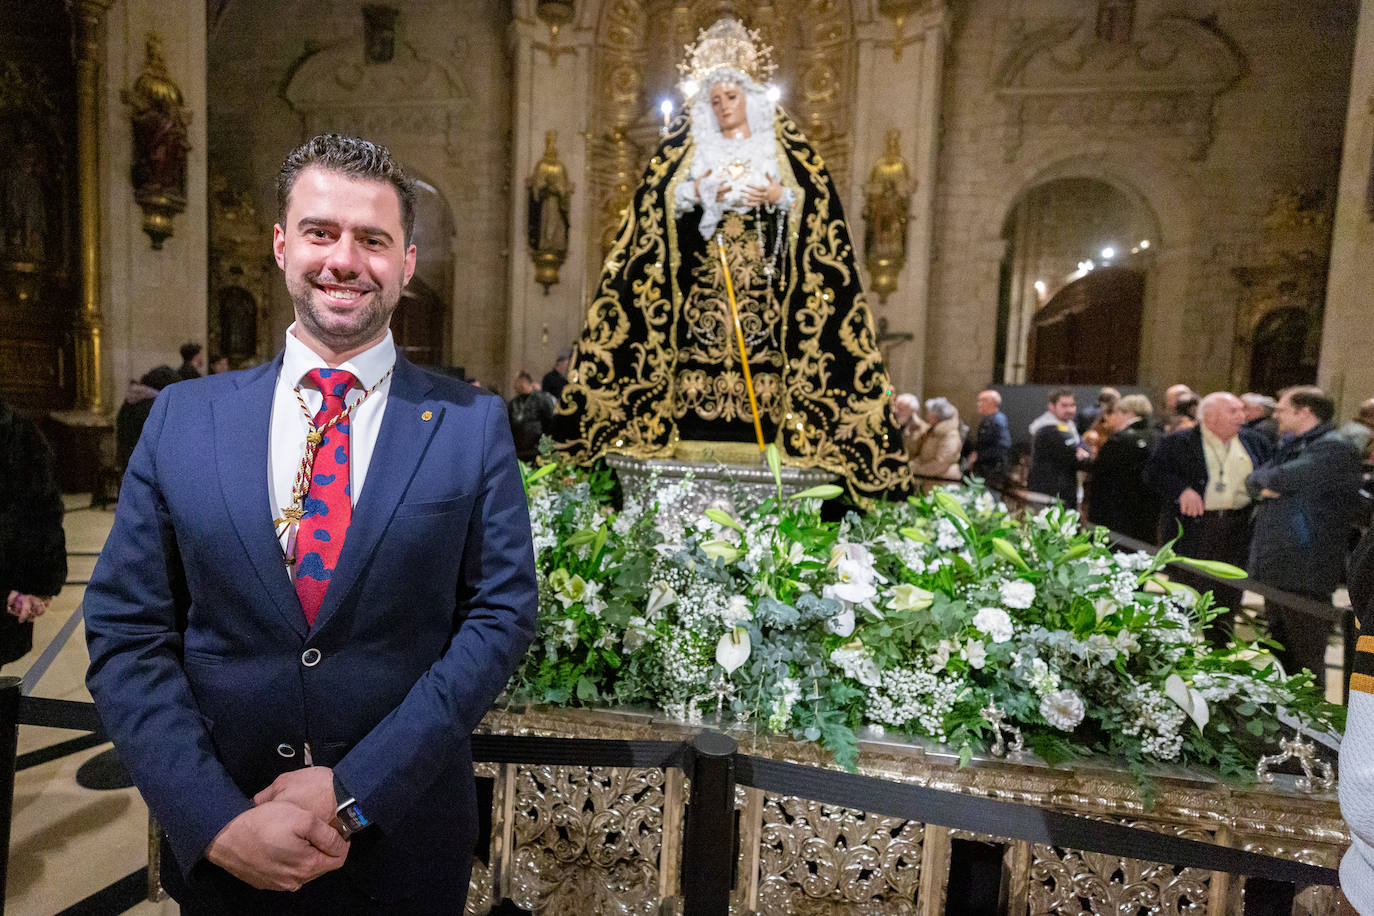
[68, 842]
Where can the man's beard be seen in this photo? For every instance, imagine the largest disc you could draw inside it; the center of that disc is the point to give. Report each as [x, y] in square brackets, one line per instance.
[365, 324]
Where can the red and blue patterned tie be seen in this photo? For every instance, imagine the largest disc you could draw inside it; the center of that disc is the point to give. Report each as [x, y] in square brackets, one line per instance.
[328, 505]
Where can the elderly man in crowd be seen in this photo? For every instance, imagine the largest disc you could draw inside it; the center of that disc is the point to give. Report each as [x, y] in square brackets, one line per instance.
[1056, 453]
[1259, 416]
[1306, 496]
[1117, 495]
[988, 459]
[937, 448]
[1200, 475]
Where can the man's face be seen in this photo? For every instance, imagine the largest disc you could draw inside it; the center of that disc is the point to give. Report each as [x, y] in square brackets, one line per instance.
[987, 406]
[1118, 419]
[1225, 417]
[727, 101]
[342, 247]
[901, 412]
[1064, 408]
[1292, 420]
[523, 385]
[560, 365]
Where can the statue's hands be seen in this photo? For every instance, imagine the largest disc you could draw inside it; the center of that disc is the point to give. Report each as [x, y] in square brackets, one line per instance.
[756, 195]
[721, 192]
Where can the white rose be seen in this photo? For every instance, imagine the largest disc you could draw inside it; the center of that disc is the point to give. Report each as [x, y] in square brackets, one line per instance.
[736, 611]
[994, 622]
[1018, 594]
[857, 664]
[1063, 709]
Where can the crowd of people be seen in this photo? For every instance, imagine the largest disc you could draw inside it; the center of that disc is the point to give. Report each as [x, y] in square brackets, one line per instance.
[1270, 485]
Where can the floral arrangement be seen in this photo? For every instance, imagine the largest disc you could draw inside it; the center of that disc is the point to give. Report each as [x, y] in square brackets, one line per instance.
[942, 616]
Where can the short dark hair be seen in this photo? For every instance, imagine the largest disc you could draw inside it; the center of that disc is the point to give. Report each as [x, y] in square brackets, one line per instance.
[352, 156]
[1314, 399]
[189, 351]
[1186, 406]
[1057, 393]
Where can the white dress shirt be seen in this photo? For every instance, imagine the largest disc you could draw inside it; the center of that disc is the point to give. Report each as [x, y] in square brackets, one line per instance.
[286, 435]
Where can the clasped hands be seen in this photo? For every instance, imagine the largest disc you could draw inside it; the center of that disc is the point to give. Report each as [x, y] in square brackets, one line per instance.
[285, 840]
[755, 195]
[26, 607]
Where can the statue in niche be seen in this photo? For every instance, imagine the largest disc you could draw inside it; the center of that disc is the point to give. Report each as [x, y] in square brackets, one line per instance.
[25, 208]
[160, 131]
[379, 32]
[550, 194]
[887, 202]
[734, 193]
[1115, 21]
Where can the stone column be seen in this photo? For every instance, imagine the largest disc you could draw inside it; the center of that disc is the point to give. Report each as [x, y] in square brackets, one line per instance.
[88, 21]
[1345, 368]
[553, 91]
[899, 86]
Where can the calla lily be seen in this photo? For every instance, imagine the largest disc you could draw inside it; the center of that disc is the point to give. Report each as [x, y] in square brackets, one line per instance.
[1215, 567]
[1188, 700]
[733, 649]
[1004, 549]
[907, 597]
[951, 505]
[661, 595]
[721, 517]
[721, 550]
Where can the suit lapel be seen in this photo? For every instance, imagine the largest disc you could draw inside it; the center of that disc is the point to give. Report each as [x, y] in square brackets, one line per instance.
[242, 424]
[401, 443]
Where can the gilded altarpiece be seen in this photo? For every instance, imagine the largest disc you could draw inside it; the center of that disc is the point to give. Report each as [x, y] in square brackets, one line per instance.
[38, 207]
[240, 275]
[638, 45]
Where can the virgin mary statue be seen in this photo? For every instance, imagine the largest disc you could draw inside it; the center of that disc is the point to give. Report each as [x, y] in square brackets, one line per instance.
[734, 201]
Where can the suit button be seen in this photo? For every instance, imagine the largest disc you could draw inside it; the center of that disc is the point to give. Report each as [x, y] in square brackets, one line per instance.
[310, 657]
[286, 750]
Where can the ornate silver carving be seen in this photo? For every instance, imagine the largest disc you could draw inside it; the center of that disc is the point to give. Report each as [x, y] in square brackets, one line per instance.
[1304, 752]
[713, 483]
[606, 841]
[587, 840]
[817, 858]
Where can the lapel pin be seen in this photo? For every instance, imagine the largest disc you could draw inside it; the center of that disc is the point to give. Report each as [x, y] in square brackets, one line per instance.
[427, 415]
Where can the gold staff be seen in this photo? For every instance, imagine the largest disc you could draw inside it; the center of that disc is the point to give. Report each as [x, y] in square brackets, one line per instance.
[739, 335]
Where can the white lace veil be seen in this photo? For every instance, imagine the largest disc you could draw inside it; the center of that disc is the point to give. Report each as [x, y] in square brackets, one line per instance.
[758, 107]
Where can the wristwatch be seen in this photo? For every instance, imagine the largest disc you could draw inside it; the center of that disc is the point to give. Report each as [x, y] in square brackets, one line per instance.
[348, 817]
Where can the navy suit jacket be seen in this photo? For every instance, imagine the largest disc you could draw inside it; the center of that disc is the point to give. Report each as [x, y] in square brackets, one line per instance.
[201, 659]
[1179, 464]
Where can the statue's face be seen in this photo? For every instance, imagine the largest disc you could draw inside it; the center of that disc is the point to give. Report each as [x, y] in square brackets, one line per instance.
[727, 101]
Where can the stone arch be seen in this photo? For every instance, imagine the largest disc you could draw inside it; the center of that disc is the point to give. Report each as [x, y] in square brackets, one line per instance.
[1160, 184]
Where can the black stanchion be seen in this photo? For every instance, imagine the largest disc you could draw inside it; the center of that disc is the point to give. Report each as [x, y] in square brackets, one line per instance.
[708, 849]
[9, 748]
[1264, 897]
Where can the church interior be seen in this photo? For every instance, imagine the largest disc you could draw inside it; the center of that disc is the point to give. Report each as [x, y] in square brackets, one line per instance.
[1135, 193]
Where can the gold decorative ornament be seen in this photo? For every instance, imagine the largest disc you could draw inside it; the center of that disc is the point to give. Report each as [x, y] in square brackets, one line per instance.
[550, 196]
[159, 121]
[427, 415]
[887, 203]
[727, 43]
[555, 14]
[899, 11]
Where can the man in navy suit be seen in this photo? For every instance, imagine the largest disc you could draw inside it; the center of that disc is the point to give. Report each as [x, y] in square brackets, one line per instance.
[297, 715]
[1200, 474]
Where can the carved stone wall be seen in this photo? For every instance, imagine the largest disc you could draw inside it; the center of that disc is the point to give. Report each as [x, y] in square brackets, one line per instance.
[1205, 118]
[442, 105]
